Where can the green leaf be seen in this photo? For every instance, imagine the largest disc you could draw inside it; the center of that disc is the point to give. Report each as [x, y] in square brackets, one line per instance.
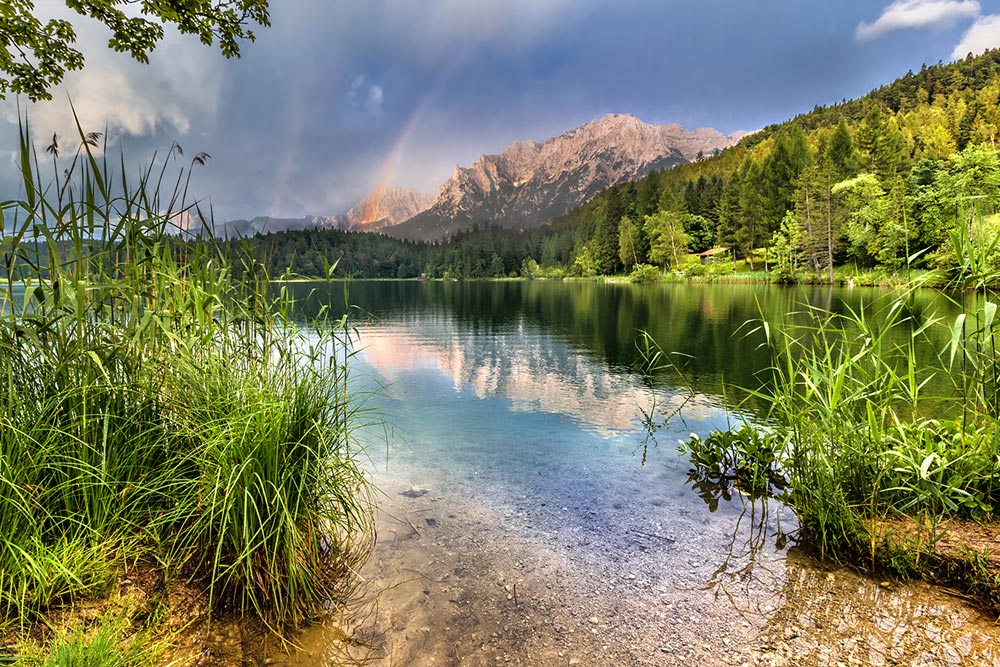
[989, 313]
[956, 337]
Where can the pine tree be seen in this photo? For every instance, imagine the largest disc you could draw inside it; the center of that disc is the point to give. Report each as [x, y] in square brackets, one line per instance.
[749, 230]
[605, 241]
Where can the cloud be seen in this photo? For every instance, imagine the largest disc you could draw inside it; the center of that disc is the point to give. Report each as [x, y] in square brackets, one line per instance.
[365, 96]
[982, 35]
[105, 98]
[910, 14]
[169, 96]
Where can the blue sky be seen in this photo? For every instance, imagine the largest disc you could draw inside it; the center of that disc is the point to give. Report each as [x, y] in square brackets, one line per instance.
[337, 94]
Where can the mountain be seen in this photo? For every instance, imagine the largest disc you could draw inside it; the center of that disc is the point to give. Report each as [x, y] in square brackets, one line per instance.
[530, 183]
[387, 206]
[263, 224]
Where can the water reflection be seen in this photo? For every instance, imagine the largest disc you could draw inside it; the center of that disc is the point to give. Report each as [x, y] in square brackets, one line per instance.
[748, 557]
[534, 372]
[705, 324]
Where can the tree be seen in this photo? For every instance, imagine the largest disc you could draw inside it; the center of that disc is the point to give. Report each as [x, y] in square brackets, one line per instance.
[648, 195]
[842, 156]
[701, 230]
[749, 230]
[779, 174]
[787, 245]
[38, 55]
[496, 266]
[667, 240]
[583, 263]
[629, 249]
[729, 214]
[872, 231]
[605, 241]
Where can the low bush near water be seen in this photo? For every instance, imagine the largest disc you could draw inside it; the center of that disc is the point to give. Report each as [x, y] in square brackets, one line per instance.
[645, 273]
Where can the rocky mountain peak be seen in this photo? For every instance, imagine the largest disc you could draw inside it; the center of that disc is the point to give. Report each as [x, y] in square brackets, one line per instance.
[387, 206]
[529, 183]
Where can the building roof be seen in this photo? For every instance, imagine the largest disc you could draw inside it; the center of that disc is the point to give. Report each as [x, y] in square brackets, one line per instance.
[712, 251]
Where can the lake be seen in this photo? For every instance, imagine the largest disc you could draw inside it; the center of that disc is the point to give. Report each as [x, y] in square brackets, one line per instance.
[525, 519]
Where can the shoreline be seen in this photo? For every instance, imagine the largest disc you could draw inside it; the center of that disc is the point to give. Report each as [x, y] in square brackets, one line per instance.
[445, 592]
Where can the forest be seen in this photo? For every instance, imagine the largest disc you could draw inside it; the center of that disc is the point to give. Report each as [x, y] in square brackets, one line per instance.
[880, 183]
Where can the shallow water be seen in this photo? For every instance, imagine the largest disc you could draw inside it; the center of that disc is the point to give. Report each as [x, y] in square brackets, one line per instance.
[525, 521]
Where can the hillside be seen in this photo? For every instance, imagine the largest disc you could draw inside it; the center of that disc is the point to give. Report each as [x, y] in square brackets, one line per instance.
[871, 182]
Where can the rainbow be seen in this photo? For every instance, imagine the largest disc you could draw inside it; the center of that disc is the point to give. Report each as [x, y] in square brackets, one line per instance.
[392, 161]
[370, 213]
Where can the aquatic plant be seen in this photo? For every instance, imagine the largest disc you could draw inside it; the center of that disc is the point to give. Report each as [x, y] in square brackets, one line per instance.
[161, 406]
[846, 413]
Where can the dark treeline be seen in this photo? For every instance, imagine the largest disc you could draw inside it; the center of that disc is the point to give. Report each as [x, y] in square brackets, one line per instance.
[877, 183]
[478, 253]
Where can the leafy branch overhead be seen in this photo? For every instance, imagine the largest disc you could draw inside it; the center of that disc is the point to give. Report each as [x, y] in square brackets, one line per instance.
[38, 52]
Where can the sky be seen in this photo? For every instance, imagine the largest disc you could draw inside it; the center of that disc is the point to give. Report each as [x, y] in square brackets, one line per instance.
[337, 97]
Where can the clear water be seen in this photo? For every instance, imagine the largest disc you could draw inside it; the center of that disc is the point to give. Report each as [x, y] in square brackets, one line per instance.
[517, 461]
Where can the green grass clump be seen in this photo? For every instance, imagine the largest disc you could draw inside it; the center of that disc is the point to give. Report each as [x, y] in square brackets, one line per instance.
[875, 417]
[109, 644]
[864, 439]
[161, 406]
[276, 495]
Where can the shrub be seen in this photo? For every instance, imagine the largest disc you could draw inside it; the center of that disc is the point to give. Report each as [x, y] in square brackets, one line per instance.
[694, 267]
[645, 273]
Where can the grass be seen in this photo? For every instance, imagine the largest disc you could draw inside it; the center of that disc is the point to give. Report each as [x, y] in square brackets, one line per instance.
[846, 415]
[110, 642]
[161, 406]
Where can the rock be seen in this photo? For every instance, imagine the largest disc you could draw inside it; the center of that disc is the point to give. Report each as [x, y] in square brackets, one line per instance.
[387, 206]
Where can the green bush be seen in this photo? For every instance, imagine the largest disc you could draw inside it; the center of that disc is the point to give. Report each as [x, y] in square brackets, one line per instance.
[694, 267]
[645, 273]
[721, 267]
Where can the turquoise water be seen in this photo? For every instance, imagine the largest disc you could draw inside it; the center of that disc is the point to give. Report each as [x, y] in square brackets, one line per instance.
[529, 391]
[513, 451]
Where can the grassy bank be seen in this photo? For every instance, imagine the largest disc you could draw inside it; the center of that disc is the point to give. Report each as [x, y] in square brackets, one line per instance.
[162, 419]
[881, 472]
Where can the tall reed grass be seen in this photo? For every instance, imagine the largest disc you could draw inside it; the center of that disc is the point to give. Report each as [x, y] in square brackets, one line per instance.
[160, 405]
[876, 417]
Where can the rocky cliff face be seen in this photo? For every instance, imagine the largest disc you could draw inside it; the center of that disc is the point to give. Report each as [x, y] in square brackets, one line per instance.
[387, 206]
[530, 183]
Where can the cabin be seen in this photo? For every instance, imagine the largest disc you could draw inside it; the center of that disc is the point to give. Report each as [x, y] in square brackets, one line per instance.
[709, 256]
